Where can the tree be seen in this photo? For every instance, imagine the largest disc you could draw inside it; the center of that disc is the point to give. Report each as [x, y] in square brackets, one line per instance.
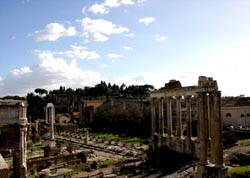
[41, 91]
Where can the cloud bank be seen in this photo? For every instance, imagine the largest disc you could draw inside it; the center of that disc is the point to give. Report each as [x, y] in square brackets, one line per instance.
[53, 31]
[49, 73]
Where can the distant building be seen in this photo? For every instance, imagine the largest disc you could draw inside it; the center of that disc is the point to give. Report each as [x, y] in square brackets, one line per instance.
[235, 111]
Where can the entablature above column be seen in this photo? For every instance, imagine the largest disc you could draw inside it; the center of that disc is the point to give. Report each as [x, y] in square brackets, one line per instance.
[183, 91]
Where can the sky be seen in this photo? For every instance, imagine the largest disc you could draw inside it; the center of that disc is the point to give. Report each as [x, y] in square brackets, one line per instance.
[78, 43]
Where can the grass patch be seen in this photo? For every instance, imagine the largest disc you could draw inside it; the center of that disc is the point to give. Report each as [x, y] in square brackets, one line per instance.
[37, 144]
[108, 162]
[238, 170]
[244, 142]
[29, 155]
[53, 171]
[123, 137]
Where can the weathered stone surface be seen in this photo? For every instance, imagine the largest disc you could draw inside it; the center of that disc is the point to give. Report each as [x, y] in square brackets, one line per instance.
[13, 133]
[4, 168]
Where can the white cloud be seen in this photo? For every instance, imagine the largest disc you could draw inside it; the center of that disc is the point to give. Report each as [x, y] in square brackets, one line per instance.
[21, 71]
[79, 52]
[146, 20]
[84, 10]
[103, 66]
[127, 2]
[112, 3]
[49, 73]
[102, 26]
[104, 8]
[98, 9]
[53, 31]
[130, 35]
[113, 56]
[127, 48]
[160, 38]
[90, 37]
[97, 29]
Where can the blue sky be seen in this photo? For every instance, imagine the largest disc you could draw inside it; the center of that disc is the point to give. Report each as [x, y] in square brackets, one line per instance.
[78, 43]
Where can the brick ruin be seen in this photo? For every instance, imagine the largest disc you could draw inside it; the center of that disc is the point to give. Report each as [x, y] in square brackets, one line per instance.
[172, 98]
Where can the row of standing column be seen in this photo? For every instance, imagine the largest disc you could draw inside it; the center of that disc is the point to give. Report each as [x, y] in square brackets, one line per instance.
[209, 115]
[169, 116]
[210, 125]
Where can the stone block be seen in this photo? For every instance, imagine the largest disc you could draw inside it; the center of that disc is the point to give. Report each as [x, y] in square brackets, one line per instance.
[4, 168]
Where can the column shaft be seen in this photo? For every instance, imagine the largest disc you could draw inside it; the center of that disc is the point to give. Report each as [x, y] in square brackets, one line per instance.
[51, 119]
[153, 124]
[161, 116]
[203, 128]
[189, 126]
[46, 115]
[178, 115]
[216, 133]
[169, 112]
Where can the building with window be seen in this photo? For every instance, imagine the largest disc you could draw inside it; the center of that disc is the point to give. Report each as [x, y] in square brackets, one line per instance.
[235, 111]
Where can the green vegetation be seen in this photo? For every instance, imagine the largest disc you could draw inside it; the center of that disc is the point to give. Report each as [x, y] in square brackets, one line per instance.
[38, 99]
[244, 142]
[108, 162]
[37, 144]
[238, 170]
[122, 137]
[53, 171]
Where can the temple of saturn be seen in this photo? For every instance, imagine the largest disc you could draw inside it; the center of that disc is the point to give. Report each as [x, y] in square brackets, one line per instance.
[167, 119]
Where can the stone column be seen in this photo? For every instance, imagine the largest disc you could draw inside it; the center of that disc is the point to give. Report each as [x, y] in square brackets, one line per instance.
[203, 128]
[216, 133]
[46, 115]
[161, 117]
[36, 126]
[169, 112]
[51, 112]
[153, 124]
[189, 126]
[80, 113]
[178, 116]
[22, 144]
